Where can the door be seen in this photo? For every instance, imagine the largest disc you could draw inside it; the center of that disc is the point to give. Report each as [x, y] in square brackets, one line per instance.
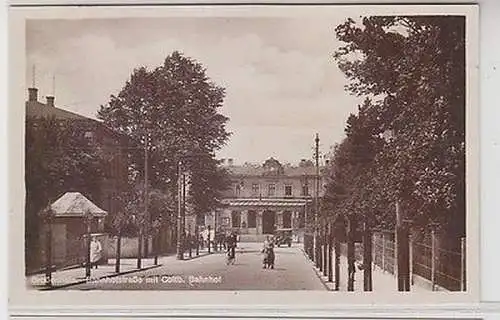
[268, 221]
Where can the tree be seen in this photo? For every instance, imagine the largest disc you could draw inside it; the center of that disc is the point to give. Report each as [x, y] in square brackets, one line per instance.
[173, 107]
[414, 67]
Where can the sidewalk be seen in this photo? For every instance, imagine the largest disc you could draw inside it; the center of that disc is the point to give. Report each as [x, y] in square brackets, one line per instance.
[68, 277]
[381, 281]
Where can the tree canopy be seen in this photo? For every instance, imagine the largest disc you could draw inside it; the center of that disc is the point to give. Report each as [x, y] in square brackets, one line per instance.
[412, 72]
[175, 108]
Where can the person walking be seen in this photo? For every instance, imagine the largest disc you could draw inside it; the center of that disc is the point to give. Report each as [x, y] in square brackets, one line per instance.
[268, 251]
[95, 252]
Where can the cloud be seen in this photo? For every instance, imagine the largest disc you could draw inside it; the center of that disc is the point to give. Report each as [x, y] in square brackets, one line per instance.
[282, 85]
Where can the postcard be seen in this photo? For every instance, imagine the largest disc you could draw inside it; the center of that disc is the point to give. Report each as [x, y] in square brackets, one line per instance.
[243, 155]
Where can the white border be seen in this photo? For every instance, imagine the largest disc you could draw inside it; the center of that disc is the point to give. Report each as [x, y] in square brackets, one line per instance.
[204, 300]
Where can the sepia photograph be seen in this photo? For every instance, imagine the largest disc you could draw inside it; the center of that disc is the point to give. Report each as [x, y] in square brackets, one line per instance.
[243, 152]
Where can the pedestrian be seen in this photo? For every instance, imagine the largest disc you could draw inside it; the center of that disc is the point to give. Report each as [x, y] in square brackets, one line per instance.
[95, 252]
[268, 251]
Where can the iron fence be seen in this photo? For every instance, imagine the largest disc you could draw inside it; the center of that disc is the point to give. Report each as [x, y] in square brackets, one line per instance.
[442, 267]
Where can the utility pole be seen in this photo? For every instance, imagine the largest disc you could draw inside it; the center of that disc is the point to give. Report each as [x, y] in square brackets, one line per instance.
[317, 253]
[180, 212]
[146, 196]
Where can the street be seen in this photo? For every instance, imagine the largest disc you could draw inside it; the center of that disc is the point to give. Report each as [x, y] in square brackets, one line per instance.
[292, 272]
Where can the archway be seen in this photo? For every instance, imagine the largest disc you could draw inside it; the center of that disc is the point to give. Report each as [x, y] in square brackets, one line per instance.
[268, 221]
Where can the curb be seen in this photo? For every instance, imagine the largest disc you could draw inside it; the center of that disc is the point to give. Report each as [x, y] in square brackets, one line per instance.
[99, 278]
[317, 272]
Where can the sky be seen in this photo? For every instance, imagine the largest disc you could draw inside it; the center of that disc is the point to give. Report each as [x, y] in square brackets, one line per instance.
[282, 84]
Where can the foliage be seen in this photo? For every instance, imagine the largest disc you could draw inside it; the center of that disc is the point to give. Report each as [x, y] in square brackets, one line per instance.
[173, 107]
[58, 159]
[413, 70]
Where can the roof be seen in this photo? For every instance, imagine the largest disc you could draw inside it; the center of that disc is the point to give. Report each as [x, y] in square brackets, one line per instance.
[265, 202]
[74, 204]
[41, 110]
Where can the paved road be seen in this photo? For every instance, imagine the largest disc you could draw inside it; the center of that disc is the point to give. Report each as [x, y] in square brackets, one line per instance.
[292, 272]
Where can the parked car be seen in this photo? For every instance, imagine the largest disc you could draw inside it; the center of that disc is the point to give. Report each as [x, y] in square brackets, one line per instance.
[283, 237]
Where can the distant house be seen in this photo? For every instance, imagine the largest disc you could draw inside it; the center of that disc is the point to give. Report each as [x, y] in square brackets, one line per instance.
[112, 143]
[266, 197]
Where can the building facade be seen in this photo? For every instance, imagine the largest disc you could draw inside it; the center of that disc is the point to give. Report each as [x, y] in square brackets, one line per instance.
[113, 145]
[267, 197]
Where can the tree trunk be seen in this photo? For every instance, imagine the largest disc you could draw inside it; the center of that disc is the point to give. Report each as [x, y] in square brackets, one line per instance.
[325, 251]
[403, 250]
[118, 253]
[330, 252]
[351, 267]
[367, 259]
[337, 263]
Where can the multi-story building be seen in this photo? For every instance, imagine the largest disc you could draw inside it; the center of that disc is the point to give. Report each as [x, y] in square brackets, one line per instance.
[113, 145]
[271, 196]
[103, 194]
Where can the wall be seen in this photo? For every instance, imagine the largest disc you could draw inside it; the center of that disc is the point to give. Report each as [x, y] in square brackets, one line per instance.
[128, 247]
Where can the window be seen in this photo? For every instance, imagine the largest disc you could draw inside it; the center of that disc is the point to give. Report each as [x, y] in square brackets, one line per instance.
[238, 190]
[271, 190]
[255, 189]
[305, 190]
[252, 219]
[89, 135]
[235, 219]
[288, 191]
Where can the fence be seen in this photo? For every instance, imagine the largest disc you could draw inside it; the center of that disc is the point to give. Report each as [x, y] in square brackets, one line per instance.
[440, 266]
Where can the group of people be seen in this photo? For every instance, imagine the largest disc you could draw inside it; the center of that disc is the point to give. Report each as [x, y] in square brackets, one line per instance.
[268, 250]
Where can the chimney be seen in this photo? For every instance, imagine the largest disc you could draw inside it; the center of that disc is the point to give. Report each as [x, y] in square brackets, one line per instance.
[327, 162]
[32, 94]
[223, 161]
[230, 162]
[50, 101]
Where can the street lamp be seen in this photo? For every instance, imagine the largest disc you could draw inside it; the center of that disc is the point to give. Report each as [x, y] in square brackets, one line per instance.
[317, 253]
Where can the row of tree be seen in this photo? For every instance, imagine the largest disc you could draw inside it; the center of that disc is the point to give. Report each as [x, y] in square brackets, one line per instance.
[406, 144]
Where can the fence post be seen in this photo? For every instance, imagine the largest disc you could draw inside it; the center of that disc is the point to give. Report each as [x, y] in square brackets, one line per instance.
[412, 282]
[462, 264]
[383, 252]
[433, 259]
